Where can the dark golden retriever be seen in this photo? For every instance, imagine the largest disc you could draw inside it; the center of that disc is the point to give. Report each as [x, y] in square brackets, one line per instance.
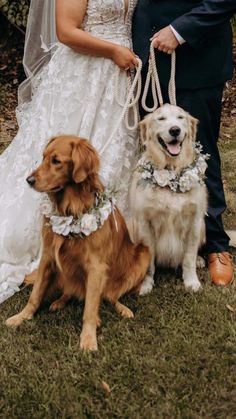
[104, 264]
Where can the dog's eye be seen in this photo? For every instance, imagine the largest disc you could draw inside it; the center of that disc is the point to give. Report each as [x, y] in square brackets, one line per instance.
[162, 118]
[180, 117]
[55, 160]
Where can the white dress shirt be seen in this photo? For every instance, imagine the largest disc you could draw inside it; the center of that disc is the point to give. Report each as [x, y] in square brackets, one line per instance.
[177, 35]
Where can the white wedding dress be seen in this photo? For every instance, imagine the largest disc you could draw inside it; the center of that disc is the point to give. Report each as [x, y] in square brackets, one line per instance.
[73, 94]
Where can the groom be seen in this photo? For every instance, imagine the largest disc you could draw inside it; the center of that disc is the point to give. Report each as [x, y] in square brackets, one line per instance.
[200, 32]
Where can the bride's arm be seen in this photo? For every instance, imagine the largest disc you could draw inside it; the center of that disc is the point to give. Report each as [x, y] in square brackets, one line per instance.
[69, 18]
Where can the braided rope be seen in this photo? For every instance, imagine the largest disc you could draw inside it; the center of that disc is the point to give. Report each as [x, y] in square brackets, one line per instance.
[153, 82]
[172, 86]
[134, 92]
[130, 103]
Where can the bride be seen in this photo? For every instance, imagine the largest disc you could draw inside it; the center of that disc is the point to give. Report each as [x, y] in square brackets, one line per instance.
[72, 86]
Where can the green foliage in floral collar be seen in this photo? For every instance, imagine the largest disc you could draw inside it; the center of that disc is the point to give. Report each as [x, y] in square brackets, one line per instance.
[190, 177]
[83, 224]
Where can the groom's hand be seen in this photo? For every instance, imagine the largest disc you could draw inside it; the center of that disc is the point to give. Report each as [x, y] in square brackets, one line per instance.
[165, 40]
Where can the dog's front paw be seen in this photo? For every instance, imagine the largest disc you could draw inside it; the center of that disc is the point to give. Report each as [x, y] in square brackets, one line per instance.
[14, 321]
[147, 285]
[88, 342]
[57, 305]
[201, 263]
[124, 311]
[192, 284]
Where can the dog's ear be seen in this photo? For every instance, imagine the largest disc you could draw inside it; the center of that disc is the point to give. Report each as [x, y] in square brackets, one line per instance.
[193, 123]
[48, 143]
[85, 161]
[79, 172]
[96, 183]
[143, 127]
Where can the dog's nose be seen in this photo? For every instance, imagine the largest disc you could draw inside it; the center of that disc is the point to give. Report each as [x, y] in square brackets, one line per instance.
[174, 131]
[31, 180]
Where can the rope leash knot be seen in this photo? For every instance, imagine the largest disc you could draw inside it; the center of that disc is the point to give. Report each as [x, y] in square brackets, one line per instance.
[153, 83]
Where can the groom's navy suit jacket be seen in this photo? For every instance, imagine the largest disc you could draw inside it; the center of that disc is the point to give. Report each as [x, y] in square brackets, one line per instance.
[206, 58]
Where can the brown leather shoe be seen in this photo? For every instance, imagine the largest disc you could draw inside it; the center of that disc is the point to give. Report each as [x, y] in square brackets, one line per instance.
[221, 268]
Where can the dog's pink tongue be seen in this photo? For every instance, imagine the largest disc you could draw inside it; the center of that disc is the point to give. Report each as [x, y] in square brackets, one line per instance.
[173, 148]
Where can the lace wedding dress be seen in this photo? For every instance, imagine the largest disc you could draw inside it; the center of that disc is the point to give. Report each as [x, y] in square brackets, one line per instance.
[73, 94]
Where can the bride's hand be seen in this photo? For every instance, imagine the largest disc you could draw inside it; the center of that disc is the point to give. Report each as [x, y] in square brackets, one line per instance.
[124, 58]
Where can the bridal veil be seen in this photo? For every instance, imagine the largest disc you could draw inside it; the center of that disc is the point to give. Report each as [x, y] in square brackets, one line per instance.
[39, 41]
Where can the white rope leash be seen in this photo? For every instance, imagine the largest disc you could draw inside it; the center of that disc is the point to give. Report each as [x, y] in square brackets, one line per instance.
[153, 82]
[137, 85]
[134, 92]
[131, 102]
[172, 85]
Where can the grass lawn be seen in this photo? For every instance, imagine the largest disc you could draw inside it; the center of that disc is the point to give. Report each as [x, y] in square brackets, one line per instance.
[175, 359]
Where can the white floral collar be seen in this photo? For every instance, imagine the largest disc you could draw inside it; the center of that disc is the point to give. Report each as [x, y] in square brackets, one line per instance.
[84, 224]
[184, 181]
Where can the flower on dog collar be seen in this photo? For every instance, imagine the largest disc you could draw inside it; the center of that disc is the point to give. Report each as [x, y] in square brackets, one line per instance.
[188, 178]
[84, 224]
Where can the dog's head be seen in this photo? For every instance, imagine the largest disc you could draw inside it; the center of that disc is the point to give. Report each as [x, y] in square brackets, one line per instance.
[66, 160]
[167, 130]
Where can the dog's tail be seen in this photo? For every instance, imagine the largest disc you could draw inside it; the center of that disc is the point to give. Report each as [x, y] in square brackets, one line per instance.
[232, 236]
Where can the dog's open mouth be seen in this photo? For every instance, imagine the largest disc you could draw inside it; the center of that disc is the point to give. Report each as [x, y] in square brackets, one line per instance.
[173, 148]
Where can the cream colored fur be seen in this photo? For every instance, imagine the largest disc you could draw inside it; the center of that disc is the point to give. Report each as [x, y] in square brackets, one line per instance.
[171, 224]
[232, 236]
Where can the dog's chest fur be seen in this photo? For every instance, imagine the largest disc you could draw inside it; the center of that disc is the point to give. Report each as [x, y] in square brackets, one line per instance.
[170, 216]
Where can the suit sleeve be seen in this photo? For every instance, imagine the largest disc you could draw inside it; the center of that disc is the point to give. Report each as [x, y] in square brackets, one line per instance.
[204, 20]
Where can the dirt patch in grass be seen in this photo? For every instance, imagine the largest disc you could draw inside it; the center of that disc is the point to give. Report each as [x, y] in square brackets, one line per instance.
[175, 359]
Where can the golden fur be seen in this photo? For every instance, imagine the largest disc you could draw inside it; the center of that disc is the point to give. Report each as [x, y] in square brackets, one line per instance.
[106, 264]
[171, 224]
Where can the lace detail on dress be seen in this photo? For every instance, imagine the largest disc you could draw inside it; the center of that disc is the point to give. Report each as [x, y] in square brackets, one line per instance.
[113, 23]
[73, 94]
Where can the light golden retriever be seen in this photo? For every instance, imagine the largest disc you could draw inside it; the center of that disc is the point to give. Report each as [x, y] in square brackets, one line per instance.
[170, 223]
[104, 264]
